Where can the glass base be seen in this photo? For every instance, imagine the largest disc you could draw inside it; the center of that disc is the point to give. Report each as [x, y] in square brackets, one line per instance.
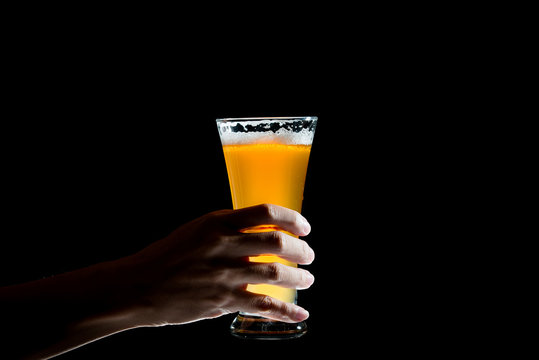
[256, 327]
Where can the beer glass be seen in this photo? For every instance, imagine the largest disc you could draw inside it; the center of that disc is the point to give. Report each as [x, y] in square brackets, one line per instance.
[266, 160]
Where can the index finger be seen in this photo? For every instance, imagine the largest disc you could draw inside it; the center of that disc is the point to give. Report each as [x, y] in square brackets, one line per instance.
[269, 214]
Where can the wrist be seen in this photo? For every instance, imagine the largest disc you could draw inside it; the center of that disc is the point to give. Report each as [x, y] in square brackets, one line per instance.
[123, 293]
[129, 292]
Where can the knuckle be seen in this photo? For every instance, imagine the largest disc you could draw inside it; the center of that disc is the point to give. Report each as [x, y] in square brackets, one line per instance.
[221, 276]
[211, 217]
[274, 272]
[269, 211]
[215, 245]
[277, 240]
[264, 303]
[214, 218]
[226, 242]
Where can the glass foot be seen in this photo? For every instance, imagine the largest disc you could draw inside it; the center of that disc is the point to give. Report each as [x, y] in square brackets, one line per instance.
[255, 327]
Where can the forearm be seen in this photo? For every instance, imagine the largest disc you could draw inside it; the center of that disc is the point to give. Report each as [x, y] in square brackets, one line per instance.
[197, 272]
[50, 316]
[81, 332]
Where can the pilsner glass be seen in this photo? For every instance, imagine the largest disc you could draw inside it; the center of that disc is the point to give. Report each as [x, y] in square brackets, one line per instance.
[266, 160]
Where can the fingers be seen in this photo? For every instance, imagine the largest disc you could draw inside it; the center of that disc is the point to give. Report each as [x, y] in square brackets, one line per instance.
[270, 308]
[269, 214]
[273, 242]
[241, 245]
[276, 274]
[266, 306]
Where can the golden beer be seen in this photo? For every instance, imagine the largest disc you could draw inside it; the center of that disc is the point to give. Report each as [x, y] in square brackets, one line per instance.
[267, 173]
[266, 160]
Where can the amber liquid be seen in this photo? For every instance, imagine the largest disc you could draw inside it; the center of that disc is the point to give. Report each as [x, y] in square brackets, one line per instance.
[267, 173]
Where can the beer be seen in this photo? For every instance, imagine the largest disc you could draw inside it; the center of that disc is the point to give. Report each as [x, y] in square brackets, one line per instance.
[267, 173]
[266, 160]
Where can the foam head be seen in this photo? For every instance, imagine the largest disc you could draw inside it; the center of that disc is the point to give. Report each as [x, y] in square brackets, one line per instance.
[288, 131]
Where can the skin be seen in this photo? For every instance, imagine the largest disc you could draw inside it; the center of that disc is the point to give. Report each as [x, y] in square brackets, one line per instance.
[200, 271]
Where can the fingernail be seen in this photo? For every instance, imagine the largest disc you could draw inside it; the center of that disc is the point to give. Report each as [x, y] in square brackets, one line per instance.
[311, 255]
[305, 226]
[301, 315]
[309, 280]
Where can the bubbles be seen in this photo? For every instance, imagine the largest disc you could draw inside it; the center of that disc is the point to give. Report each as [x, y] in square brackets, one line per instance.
[297, 132]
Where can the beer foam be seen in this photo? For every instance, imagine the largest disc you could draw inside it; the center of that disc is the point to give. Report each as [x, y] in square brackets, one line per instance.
[266, 136]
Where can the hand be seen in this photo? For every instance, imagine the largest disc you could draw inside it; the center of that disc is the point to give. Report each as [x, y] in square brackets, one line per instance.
[201, 270]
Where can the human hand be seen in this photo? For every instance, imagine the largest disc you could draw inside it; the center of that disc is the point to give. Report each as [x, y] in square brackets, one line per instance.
[201, 270]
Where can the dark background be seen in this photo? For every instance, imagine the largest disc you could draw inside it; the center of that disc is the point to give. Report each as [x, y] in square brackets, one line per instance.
[110, 143]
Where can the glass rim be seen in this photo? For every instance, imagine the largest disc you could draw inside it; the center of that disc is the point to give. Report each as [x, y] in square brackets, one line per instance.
[268, 118]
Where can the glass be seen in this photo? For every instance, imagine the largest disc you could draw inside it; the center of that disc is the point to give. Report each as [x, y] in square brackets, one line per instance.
[266, 160]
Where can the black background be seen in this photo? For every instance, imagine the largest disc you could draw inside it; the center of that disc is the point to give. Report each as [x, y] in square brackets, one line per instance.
[108, 146]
